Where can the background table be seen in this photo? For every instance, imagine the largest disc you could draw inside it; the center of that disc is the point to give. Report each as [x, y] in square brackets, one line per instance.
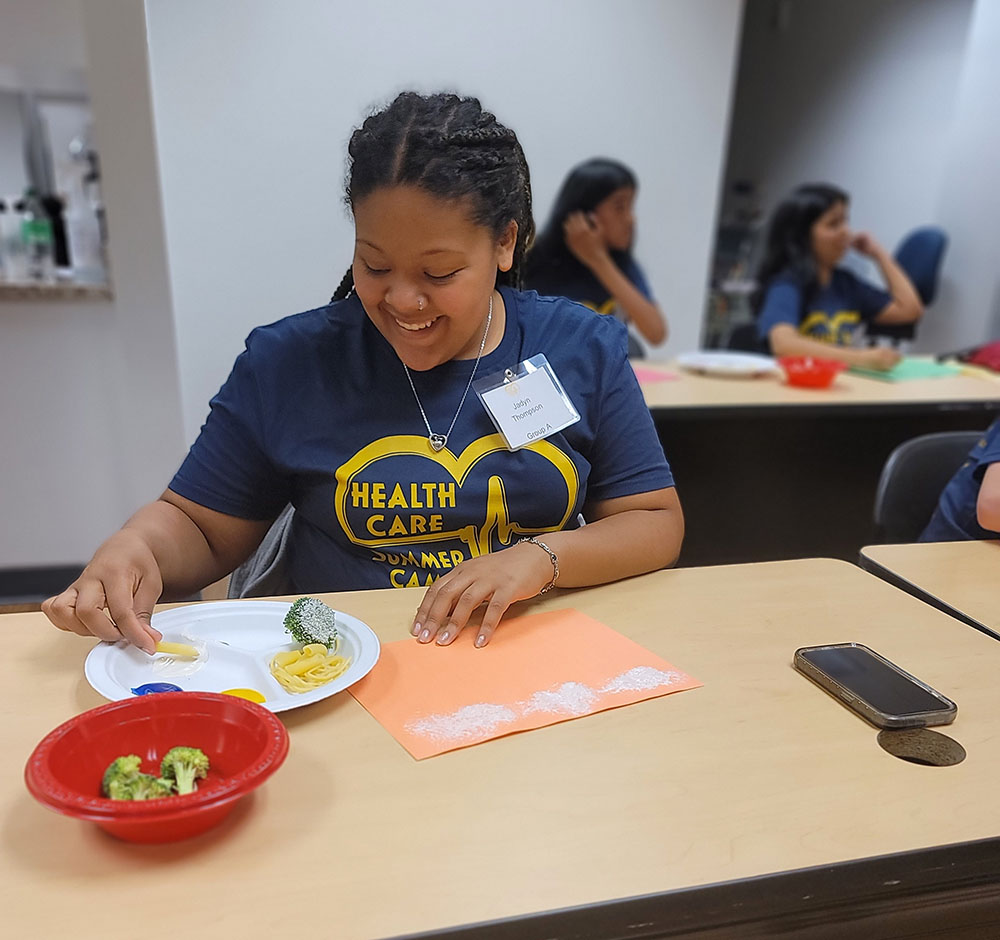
[647, 821]
[768, 471]
[960, 578]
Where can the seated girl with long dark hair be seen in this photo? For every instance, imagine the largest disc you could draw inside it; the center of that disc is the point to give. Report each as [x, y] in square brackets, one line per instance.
[584, 252]
[808, 306]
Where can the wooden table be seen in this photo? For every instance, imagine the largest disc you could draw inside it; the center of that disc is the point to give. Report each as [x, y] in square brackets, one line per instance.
[768, 471]
[960, 578]
[749, 807]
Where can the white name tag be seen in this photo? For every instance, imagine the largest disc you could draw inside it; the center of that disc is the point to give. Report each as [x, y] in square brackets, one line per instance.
[527, 403]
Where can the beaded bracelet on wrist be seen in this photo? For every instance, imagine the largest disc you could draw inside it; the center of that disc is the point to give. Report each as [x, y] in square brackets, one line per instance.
[552, 557]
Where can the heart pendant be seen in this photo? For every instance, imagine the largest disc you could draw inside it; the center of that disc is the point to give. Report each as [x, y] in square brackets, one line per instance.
[438, 441]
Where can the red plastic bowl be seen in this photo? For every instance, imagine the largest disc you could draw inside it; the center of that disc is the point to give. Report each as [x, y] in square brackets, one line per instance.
[809, 372]
[245, 744]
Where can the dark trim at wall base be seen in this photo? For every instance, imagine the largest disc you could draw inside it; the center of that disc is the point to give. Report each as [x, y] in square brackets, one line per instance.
[36, 583]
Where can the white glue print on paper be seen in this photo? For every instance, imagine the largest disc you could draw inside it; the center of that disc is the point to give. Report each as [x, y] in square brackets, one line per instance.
[570, 698]
[640, 679]
[470, 721]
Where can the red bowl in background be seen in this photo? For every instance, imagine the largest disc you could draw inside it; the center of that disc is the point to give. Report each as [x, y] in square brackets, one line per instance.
[245, 744]
[810, 372]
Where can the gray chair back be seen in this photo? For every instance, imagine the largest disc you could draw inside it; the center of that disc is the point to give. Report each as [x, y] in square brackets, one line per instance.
[912, 480]
[265, 572]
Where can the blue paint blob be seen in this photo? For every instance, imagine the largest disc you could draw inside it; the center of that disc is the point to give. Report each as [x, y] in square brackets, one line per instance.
[151, 687]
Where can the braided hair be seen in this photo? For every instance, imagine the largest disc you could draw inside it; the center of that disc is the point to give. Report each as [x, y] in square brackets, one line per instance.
[451, 148]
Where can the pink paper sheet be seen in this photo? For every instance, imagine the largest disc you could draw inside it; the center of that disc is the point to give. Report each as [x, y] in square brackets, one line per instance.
[654, 375]
[537, 670]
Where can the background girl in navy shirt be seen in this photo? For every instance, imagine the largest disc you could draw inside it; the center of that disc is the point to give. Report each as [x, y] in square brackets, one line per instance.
[810, 307]
[585, 250]
[359, 415]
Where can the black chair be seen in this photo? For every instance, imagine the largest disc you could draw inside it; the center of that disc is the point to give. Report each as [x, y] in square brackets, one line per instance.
[912, 480]
[920, 255]
[743, 338]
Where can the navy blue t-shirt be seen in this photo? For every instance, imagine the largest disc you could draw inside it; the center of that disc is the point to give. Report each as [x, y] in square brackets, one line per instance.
[954, 519]
[318, 412]
[575, 281]
[833, 313]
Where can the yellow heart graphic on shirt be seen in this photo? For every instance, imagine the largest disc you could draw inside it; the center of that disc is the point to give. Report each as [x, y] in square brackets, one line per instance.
[382, 533]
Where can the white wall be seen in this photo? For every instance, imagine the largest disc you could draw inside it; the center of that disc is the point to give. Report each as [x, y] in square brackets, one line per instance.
[854, 92]
[254, 102]
[222, 127]
[968, 200]
[891, 100]
[89, 394]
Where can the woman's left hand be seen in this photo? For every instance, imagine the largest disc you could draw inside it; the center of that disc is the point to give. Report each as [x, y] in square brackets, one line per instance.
[496, 580]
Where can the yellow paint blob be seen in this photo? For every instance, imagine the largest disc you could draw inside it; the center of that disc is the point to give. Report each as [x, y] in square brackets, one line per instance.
[251, 695]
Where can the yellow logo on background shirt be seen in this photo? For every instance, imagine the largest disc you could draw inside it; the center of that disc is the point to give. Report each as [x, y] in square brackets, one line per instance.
[831, 328]
[609, 306]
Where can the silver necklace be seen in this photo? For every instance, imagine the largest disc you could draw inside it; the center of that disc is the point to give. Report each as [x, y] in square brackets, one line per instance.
[438, 441]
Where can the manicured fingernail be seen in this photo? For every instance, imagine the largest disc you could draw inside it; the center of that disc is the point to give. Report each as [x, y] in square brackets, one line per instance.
[415, 629]
[444, 637]
[481, 640]
[149, 650]
[425, 636]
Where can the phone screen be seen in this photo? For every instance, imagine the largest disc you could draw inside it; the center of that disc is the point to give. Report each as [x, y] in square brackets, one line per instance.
[872, 680]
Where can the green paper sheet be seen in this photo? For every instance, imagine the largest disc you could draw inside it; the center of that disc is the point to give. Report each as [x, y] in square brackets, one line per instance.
[911, 368]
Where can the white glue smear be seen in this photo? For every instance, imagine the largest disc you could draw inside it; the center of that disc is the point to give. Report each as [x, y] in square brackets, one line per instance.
[470, 721]
[174, 667]
[641, 679]
[572, 698]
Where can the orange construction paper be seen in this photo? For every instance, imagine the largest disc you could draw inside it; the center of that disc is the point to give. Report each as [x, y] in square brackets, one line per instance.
[537, 670]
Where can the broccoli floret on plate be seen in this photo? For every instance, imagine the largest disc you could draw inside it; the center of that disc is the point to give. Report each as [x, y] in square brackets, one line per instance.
[310, 621]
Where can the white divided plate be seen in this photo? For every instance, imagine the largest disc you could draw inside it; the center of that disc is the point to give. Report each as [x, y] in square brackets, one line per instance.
[239, 637]
[726, 363]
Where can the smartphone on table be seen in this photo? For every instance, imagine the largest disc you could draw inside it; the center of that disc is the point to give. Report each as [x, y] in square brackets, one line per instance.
[877, 689]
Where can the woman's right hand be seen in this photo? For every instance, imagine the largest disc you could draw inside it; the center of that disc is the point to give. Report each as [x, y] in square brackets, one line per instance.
[880, 358]
[114, 596]
[585, 239]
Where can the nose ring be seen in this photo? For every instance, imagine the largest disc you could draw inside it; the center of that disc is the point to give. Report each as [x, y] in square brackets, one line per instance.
[420, 303]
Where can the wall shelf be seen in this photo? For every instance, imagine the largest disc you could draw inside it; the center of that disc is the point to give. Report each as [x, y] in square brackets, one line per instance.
[56, 291]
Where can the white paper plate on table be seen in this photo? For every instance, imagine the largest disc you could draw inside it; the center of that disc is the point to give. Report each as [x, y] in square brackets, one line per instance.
[239, 637]
[723, 362]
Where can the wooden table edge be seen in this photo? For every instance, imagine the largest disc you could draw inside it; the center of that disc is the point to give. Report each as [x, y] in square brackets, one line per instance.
[876, 568]
[818, 408]
[937, 882]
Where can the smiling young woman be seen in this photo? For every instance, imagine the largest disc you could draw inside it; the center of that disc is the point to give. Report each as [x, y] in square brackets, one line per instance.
[360, 414]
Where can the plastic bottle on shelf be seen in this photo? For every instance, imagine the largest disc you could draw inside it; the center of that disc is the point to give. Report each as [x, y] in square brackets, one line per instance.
[83, 232]
[11, 246]
[36, 233]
